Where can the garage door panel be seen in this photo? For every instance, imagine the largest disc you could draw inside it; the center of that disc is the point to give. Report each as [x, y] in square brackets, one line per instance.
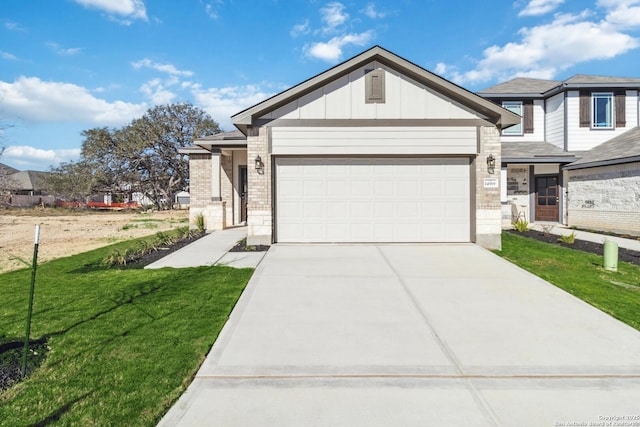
[360, 210]
[372, 200]
[384, 210]
[408, 210]
[336, 210]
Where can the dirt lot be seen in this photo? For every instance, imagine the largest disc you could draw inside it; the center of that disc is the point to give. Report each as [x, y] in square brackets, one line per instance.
[64, 233]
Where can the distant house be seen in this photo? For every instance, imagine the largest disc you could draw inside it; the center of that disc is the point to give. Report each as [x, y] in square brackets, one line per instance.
[23, 188]
[575, 156]
[375, 149]
[7, 170]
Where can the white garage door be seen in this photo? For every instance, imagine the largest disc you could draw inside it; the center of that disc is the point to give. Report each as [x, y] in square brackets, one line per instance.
[372, 200]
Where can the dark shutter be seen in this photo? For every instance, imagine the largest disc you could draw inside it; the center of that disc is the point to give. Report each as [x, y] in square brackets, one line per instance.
[585, 109]
[621, 117]
[527, 115]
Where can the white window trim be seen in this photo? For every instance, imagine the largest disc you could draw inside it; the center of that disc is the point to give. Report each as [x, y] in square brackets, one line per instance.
[509, 131]
[609, 95]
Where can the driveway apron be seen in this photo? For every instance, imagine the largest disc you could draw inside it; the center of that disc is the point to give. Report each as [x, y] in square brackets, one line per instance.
[411, 335]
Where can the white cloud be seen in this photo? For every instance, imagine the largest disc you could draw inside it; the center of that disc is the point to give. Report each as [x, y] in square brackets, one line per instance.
[333, 16]
[213, 14]
[540, 7]
[371, 11]
[133, 9]
[14, 26]
[8, 56]
[300, 29]
[59, 50]
[222, 103]
[441, 68]
[544, 50]
[156, 91]
[622, 13]
[28, 157]
[33, 100]
[331, 51]
[164, 68]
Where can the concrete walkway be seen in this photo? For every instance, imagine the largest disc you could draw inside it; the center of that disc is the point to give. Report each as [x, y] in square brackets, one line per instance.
[212, 249]
[410, 335]
[562, 230]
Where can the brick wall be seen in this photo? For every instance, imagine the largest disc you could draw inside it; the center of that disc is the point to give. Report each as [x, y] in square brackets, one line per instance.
[259, 213]
[200, 191]
[488, 206]
[200, 179]
[605, 198]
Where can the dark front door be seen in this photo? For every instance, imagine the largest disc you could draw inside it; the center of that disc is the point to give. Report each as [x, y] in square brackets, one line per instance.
[547, 198]
[244, 187]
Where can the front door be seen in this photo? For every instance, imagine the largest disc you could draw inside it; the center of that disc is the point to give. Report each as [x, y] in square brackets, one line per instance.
[244, 188]
[547, 198]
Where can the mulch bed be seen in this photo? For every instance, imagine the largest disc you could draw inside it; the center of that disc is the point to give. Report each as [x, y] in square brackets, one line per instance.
[11, 360]
[241, 246]
[626, 255]
[162, 252]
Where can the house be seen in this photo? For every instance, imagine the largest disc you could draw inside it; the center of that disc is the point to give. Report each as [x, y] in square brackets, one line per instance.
[23, 188]
[375, 149]
[575, 156]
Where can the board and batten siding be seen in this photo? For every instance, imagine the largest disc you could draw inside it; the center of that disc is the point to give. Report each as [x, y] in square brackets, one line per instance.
[374, 140]
[586, 138]
[555, 120]
[344, 98]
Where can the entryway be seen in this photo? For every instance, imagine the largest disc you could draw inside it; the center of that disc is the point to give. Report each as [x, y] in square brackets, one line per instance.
[547, 198]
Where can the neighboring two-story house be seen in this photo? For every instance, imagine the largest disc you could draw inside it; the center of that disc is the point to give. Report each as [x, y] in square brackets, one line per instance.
[575, 157]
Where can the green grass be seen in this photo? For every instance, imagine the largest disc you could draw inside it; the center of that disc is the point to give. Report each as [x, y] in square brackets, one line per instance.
[581, 274]
[124, 344]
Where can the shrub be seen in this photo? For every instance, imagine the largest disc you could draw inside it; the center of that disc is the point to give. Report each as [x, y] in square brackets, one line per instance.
[569, 239]
[200, 225]
[521, 225]
[117, 257]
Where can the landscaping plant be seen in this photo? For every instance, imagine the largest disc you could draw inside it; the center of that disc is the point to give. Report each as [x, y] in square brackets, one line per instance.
[521, 225]
[569, 239]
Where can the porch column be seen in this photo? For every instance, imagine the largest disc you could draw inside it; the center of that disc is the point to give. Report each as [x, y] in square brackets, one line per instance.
[215, 176]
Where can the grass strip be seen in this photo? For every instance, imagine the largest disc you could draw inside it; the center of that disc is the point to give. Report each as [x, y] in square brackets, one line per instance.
[579, 273]
[124, 344]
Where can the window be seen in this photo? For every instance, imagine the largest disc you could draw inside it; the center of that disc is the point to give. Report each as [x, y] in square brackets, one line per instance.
[602, 110]
[514, 107]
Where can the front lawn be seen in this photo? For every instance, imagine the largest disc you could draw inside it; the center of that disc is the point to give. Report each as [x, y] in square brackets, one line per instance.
[124, 343]
[579, 273]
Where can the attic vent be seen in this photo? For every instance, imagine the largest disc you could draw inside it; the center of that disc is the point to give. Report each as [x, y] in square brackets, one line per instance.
[374, 86]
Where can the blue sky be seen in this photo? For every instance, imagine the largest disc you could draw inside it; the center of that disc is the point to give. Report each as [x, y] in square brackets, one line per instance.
[71, 65]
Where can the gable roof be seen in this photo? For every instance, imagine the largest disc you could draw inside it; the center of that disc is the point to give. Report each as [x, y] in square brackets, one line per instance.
[521, 85]
[526, 87]
[534, 152]
[623, 148]
[26, 180]
[585, 79]
[7, 170]
[498, 115]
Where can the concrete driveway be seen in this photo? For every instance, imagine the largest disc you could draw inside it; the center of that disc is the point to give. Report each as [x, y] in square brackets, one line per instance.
[411, 335]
